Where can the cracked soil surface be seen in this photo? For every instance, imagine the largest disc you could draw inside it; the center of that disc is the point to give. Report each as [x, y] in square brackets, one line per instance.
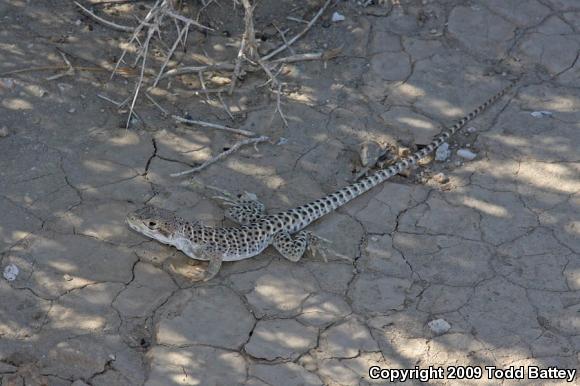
[494, 251]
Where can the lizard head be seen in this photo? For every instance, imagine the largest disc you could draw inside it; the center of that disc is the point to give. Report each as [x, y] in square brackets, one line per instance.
[160, 224]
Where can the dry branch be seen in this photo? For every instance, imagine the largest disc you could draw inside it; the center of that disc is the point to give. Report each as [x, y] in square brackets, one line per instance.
[215, 126]
[248, 42]
[105, 22]
[300, 34]
[222, 155]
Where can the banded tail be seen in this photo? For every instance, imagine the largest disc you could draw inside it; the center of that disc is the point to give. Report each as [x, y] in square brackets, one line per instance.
[314, 210]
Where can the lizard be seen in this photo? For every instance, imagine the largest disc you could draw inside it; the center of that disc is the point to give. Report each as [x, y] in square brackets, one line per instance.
[284, 230]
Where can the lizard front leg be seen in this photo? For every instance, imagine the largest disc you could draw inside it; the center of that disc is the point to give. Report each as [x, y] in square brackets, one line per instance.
[215, 258]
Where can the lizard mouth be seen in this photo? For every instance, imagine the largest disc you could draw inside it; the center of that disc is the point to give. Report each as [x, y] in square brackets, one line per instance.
[141, 228]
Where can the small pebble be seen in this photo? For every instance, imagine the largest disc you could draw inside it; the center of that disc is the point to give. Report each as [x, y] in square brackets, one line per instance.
[442, 152]
[10, 272]
[471, 129]
[7, 83]
[336, 17]
[468, 145]
[72, 110]
[441, 178]
[439, 326]
[4, 131]
[37, 91]
[63, 87]
[466, 154]
[541, 114]
[67, 277]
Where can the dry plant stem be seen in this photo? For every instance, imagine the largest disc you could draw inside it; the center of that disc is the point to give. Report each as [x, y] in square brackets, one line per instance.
[266, 69]
[187, 20]
[284, 39]
[278, 105]
[215, 126]
[192, 69]
[300, 34]
[69, 71]
[136, 32]
[140, 81]
[224, 105]
[107, 23]
[230, 67]
[163, 111]
[171, 51]
[222, 155]
[118, 104]
[299, 58]
[237, 66]
[202, 83]
[248, 42]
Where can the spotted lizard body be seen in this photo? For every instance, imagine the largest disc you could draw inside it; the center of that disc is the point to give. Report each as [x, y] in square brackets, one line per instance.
[259, 230]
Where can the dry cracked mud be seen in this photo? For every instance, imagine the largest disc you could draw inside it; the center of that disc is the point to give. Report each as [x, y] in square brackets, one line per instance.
[494, 252]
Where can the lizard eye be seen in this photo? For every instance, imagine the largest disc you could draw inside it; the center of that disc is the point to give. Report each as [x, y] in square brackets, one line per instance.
[152, 224]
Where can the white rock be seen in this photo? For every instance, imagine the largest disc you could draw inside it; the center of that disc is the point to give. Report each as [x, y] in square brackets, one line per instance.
[441, 178]
[442, 152]
[541, 114]
[4, 131]
[471, 129]
[10, 272]
[439, 326]
[336, 17]
[466, 154]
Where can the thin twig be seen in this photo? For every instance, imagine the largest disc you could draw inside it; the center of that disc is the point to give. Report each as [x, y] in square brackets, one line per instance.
[170, 53]
[163, 111]
[326, 55]
[300, 34]
[237, 66]
[271, 76]
[214, 126]
[281, 33]
[107, 23]
[140, 81]
[187, 20]
[222, 155]
[296, 19]
[135, 35]
[278, 105]
[118, 104]
[248, 42]
[69, 71]
[202, 83]
[195, 69]
[224, 105]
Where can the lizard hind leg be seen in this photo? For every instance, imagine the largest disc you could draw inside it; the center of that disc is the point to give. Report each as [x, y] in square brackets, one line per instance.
[215, 262]
[293, 248]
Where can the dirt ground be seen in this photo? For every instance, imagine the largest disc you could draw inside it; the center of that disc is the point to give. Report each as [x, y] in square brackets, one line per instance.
[479, 267]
